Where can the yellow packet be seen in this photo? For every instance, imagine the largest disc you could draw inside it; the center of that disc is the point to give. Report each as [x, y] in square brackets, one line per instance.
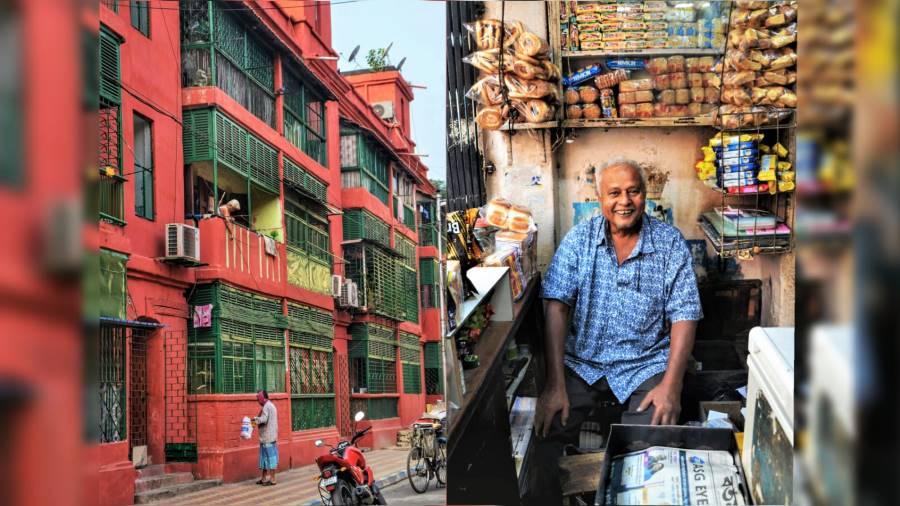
[784, 165]
[780, 150]
[765, 149]
[766, 175]
[786, 186]
[786, 176]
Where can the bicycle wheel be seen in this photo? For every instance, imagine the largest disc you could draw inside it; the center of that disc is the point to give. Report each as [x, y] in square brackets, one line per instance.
[440, 464]
[417, 470]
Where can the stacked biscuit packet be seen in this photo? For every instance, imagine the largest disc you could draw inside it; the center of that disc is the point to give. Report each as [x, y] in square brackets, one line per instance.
[759, 67]
[744, 163]
[516, 77]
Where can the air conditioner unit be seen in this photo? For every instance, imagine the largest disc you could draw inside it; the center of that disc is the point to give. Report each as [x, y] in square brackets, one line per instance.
[344, 300]
[384, 110]
[336, 282]
[182, 242]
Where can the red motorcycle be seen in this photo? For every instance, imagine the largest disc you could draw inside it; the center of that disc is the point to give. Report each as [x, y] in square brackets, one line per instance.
[344, 478]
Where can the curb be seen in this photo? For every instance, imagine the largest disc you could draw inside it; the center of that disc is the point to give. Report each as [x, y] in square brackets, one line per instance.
[391, 479]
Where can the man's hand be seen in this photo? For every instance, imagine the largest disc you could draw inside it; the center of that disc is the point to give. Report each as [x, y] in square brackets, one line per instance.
[666, 399]
[551, 401]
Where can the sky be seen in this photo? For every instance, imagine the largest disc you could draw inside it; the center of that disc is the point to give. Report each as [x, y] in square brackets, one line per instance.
[417, 29]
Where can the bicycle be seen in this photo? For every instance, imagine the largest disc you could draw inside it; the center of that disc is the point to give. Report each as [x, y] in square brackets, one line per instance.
[427, 457]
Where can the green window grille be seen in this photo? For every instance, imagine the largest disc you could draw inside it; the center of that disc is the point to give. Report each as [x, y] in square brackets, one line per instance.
[140, 16]
[434, 377]
[111, 189]
[364, 164]
[406, 248]
[307, 231]
[243, 350]
[373, 359]
[410, 293]
[304, 117]
[143, 167]
[377, 408]
[361, 224]
[304, 182]
[111, 4]
[219, 47]
[428, 234]
[310, 327]
[409, 358]
[380, 279]
[409, 217]
[312, 412]
[113, 279]
[429, 272]
[111, 383]
[310, 335]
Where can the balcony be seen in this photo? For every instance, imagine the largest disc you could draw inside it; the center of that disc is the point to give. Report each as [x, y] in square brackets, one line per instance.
[112, 198]
[239, 255]
[428, 234]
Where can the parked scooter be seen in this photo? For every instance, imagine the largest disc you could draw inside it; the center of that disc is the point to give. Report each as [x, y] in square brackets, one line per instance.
[344, 478]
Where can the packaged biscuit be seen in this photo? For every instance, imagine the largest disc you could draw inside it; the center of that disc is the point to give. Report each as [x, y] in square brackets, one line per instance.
[589, 17]
[610, 36]
[653, 16]
[607, 7]
[768, 162]
[611, 26]
[626, 64]
[780, 150]
[592, 45]
[589, 27]
[613, 45]
[590, 37]
[655, 35]
[784, 166]
[635, 44]
[584, 8]
[657, 26]
[655, 6]
[610, 79]
[634, 26]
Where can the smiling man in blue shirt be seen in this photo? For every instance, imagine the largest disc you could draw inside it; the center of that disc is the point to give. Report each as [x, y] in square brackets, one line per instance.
[621, 311]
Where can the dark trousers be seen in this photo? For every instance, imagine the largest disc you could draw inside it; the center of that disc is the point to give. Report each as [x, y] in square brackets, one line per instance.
[544, 486]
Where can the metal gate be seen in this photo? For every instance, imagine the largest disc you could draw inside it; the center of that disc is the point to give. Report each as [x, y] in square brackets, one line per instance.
[180, 415]
[342, 394]
[137, 395]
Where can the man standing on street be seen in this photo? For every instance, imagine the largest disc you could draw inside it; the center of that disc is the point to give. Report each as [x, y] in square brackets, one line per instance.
[622, 306]
[267, 424]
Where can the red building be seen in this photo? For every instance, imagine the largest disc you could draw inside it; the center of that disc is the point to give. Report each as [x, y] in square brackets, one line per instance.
[320, 285]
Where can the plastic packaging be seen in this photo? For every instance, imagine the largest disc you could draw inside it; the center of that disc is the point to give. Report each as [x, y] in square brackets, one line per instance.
[610, 79]
[583, 74]
[626, 64]
[678, 80]
[572, 96]
[590, 111]
[682, 96]
[486, 91]
[636, 85]
[246, 428]
[661, 82]
[573, 111]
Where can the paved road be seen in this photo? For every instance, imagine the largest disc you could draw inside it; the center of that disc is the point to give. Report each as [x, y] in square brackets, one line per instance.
[401, 493]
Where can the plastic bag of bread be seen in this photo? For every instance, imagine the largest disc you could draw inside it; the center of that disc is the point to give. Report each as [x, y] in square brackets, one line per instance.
[573, 111]
[698, 95]
[739, 78]
[487, 61]
[496, 212]
[705, 63]
[590, 111]
[644, 110]
[757, 17]
[520, 220]
[492, 118]
[628, 110]
[788, 99]
[779, 41]
[751, 4]
[678, 80]
[682, 96]
[610, 79]
[487, 33]
[572, 96]
[708, 79]
[626, 97]
[780, 59]
[736, 95]
[695, 80]
[588, 94]
[692, 64]
[486, 91]
[658, 66]
[661, 82]
[551, 70]
[711, 94]
[643, 96]
[530, 44]
[660, 110]
[636, 85]
[677, 111]
[527, 70]
[675, 64]
[519, 88]
[534, 110]
[666, 97]
[694, 109]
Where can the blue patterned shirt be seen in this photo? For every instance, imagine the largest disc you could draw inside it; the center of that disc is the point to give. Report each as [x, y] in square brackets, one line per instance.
[622, 313]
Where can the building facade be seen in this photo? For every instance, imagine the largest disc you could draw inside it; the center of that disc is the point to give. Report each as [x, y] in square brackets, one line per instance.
[319, 285]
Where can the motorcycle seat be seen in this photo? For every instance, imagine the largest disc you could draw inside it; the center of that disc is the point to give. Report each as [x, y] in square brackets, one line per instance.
[442, 440]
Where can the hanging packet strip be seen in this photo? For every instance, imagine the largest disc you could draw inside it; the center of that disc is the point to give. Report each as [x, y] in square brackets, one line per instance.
[626, 64]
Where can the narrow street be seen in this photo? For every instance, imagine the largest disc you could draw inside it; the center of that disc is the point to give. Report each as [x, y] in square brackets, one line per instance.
[402, 493]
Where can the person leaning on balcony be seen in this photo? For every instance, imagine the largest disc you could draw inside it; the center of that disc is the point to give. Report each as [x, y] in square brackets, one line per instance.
[622, 306]
[226, 211]
[267, 425]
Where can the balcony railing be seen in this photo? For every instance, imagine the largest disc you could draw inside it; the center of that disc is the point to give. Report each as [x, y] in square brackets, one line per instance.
[428, 235]
[240, 251]
[112, 199]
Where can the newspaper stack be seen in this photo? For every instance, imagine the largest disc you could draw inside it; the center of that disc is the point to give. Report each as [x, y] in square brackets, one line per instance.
[662, 475]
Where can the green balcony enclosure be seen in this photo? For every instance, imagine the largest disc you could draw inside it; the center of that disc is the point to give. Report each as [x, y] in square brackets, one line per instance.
[379, 276]
[111, 182]
[310, 335]
[242, 350]
[429, 273]
[411, 363]
[434, 377]
[361, 224]
[304, 116]
[373, 359]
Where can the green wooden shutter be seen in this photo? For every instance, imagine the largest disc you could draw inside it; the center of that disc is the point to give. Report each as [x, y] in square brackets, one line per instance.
[110, 72]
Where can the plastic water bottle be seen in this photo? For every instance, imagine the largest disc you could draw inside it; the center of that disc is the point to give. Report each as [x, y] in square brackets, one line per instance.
[246, 428]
